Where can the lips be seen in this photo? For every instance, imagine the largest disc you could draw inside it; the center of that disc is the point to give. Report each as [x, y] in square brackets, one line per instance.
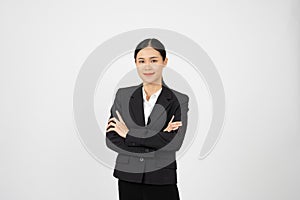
[148, 74]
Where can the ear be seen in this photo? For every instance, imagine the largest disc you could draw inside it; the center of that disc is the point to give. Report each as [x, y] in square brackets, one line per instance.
[165, 61]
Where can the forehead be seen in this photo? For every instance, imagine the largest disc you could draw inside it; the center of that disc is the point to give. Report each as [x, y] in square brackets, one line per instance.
[148, 52]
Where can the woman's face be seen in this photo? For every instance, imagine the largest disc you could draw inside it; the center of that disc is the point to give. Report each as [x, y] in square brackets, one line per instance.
[150, 64]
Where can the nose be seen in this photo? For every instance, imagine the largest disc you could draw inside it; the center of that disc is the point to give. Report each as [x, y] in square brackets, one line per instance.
[147, 66]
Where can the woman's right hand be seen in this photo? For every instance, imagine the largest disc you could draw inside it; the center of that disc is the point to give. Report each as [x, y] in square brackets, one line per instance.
[173, 125]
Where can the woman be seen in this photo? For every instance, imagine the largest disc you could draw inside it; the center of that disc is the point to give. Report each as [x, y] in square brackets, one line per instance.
[146, 127]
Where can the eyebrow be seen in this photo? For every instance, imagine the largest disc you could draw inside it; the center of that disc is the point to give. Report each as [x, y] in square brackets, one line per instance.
[150, 57]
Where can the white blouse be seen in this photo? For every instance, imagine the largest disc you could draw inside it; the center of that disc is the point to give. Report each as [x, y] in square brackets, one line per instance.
[148, 105]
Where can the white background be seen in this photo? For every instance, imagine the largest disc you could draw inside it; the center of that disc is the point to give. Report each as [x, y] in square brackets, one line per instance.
[254, 45]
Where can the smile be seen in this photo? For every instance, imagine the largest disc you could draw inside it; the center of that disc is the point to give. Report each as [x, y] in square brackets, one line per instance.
[148, 74]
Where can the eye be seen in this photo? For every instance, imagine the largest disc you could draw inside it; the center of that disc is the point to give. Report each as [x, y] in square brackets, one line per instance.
[154, 61]
[141, 61]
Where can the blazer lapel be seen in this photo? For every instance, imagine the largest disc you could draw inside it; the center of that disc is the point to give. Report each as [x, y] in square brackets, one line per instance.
[137, 105]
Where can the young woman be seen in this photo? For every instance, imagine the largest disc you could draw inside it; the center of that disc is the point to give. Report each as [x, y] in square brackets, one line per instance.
[146, 127]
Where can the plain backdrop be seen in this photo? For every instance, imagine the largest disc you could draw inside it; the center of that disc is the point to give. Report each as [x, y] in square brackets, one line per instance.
[253, 44]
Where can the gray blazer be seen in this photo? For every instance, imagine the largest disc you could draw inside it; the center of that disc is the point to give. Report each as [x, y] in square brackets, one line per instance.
[148, 154]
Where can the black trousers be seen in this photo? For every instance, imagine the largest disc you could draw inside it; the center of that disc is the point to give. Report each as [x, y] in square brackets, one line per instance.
[140, 191]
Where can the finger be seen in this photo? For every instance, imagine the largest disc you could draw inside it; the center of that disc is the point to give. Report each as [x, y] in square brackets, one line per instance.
[171, 119]
[173, 126]
[176, 128]
[110, 124]
[110, 129]
[119, 116]
[112, 119]
[177, 123]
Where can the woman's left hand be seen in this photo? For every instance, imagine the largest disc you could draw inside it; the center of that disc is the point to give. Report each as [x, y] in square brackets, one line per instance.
[118, 126]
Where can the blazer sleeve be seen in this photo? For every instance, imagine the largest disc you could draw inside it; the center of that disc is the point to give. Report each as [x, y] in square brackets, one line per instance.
[167, 141]
[117, 143]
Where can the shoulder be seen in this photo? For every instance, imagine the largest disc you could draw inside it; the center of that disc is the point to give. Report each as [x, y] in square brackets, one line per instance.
[129, 88]
[126, 91]
[181, 97]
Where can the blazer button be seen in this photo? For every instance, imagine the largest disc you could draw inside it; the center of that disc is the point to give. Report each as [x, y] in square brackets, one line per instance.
[141, 159]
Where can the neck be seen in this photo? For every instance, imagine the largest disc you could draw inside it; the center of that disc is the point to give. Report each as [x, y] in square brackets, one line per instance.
[151, 88]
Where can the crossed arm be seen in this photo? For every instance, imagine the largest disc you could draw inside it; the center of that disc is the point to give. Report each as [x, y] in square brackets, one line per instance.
[133, 141]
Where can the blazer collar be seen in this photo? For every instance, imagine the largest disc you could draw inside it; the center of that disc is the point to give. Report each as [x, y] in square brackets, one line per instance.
[137, 105]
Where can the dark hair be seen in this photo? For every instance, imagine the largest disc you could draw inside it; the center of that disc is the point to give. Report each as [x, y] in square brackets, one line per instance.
[151, 42]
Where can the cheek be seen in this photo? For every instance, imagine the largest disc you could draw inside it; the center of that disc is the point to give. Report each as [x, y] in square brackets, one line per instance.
[158, 70]
[139, 69]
